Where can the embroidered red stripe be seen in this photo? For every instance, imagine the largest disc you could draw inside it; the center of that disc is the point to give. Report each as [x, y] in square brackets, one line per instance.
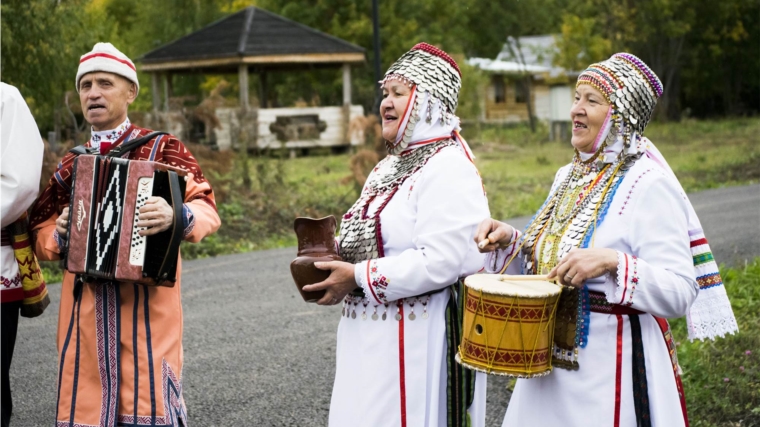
[625, 288]
[665, 329]
[105, 55]
[698, 242]
[369, 283]
[618, 368]
[402, 370]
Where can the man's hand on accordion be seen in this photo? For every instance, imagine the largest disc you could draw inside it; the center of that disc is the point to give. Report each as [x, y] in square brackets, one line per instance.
[156, 215]
[62, 223]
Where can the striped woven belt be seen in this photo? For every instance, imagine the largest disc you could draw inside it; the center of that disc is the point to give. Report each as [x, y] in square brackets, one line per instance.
[6, 237]
[598, 304]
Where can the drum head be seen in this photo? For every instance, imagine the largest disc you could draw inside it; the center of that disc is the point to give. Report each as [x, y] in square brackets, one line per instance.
[522, 286]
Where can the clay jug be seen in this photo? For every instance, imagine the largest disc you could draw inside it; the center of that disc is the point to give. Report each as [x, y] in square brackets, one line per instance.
[316, 243]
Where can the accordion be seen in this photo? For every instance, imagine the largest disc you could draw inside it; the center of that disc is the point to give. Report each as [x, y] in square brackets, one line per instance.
[104, 241]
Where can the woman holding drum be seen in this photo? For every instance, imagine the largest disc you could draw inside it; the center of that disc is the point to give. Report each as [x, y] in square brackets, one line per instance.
[618, 231]
[406, 241]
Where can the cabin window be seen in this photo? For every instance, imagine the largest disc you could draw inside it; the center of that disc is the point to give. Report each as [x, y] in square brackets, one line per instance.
[499, 90]
[521, 91]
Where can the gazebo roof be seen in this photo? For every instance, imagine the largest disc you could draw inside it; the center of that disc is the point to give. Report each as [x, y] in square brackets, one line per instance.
[252, 36]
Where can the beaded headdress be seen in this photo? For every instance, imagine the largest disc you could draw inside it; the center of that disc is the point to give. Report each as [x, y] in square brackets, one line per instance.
[436, 79]
[629, 85]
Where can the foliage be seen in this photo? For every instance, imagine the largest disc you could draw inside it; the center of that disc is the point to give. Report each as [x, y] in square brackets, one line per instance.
[261, 216]
[705, 52]
[701, 50]
[722, 378]
[41, 45]
[472, 94]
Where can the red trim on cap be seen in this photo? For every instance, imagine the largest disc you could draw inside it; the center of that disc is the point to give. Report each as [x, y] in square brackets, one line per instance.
[106, 55]
[439, 53]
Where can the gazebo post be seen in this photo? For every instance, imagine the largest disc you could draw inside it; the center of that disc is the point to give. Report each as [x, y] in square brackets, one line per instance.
[346, 102]
[243, 82]
[167, 90]
[346, 84]
[263, 103]
[155, 91]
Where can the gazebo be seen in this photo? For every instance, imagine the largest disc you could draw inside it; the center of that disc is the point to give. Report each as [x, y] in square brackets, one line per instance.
[258, 41]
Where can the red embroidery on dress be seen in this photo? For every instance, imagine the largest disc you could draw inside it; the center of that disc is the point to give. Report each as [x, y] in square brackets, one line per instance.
[618, 369]
[630, 190]
[401, 367]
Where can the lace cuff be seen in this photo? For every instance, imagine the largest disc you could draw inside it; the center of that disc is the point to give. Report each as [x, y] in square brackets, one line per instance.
[622, 287]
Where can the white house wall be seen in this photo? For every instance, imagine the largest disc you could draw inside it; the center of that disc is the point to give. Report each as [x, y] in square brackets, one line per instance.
[542, 98]
[333, 135]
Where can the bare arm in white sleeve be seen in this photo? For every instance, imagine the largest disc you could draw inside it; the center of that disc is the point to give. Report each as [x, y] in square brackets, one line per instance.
[450, 205]
[658, 277]
[21, 151]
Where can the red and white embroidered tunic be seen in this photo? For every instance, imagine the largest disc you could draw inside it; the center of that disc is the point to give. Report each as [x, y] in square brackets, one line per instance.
[648, 224]
[21, 151]
[393, 372]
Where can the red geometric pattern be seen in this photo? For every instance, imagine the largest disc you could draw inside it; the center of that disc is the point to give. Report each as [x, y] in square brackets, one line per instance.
[11, 283]
[527, 313]
[107, 365]
[505, 357]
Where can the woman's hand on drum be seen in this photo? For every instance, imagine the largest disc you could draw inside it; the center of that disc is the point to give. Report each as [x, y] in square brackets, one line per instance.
[492, 235]
[338, 285]
[580, 265]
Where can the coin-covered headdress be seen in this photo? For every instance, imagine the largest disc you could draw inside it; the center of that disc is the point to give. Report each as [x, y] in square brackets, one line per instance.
[436, 79]
[632, 89]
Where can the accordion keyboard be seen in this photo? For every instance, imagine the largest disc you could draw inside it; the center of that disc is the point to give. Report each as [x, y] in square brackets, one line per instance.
[137, 247]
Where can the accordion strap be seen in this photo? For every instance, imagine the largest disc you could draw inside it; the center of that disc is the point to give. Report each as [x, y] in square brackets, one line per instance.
[123, 148]
[168, 270]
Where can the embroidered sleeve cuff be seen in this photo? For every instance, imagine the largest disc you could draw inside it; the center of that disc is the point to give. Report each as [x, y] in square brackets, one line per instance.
[371, 281]
[497, 260]
[59, 240]
[188, 220]
[622, 287]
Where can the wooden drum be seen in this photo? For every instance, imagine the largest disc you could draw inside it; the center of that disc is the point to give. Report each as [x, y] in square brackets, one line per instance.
[508, 324]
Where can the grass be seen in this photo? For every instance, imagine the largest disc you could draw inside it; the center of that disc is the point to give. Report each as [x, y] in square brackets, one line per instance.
[722, 378]
[518, 167]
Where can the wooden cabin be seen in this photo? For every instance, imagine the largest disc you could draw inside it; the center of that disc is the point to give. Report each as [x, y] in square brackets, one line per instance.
[524, 69]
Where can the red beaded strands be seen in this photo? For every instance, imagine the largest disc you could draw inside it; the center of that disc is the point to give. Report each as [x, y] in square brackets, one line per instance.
[439, 53]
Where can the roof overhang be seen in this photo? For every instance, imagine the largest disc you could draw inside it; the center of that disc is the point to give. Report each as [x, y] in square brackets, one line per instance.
[258, 60]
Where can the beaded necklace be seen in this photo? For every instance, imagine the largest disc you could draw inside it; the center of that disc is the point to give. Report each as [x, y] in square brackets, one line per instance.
[566, 221]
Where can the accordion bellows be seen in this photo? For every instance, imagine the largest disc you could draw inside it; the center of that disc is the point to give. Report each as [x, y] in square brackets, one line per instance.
[104, 241]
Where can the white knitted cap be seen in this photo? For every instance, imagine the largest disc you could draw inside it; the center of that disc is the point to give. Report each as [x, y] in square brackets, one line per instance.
[105, 57]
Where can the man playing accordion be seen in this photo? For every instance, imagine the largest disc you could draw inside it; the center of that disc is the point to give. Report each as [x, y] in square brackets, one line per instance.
[120, 343]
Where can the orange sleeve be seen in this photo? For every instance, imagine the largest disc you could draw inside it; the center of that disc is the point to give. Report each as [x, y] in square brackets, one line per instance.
[200, 199]
[45, 245]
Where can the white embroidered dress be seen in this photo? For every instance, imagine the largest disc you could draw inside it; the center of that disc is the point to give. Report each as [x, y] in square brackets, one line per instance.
[647, 223]
[21, 151]
[393, 372]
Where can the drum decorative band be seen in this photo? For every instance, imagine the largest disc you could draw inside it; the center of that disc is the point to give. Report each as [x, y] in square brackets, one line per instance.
[508, 325]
